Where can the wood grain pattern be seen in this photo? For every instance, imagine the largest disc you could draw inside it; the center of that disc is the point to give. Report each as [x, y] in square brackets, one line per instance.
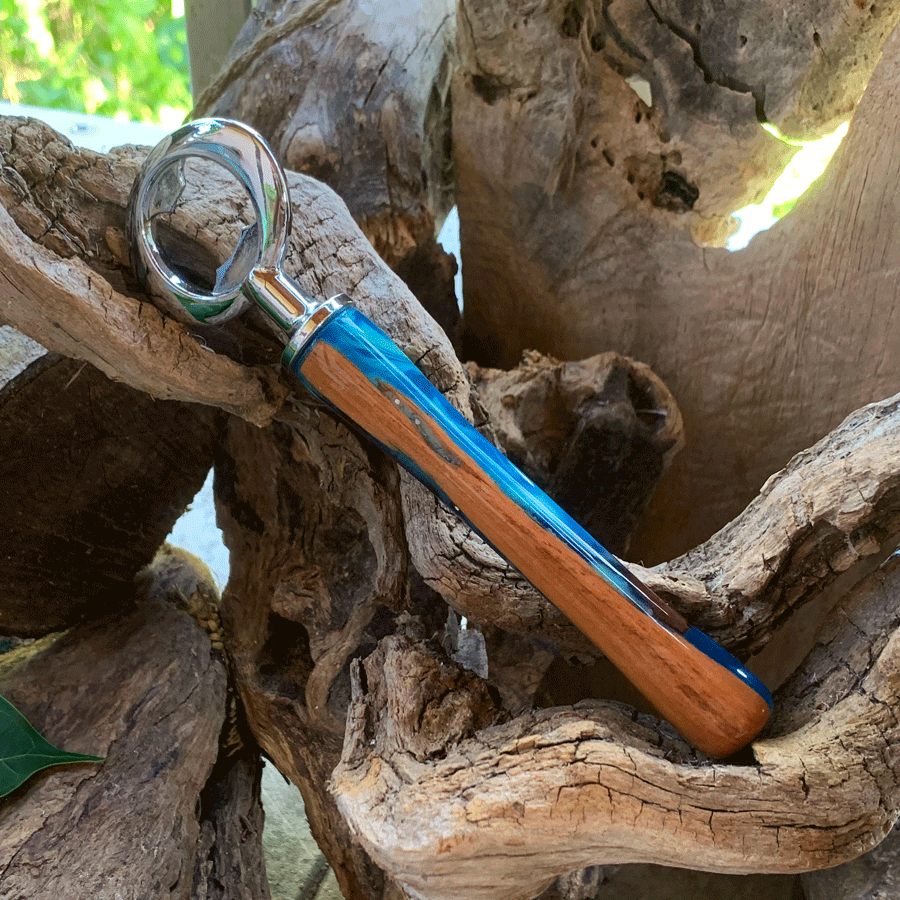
[709, 704]
[767, 349]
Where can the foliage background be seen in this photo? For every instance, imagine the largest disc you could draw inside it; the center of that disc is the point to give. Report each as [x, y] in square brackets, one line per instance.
[126, 60]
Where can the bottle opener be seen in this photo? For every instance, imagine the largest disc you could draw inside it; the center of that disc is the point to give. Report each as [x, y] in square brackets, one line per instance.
[338, 354]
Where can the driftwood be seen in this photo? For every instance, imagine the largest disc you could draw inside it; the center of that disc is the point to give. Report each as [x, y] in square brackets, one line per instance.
[81, 462]
[446, 780]
[159, 817]
[568, 787]
[606, 421]
[293, 623]
[383, 144]
[578, 226]
[389, 303]
[41, 172]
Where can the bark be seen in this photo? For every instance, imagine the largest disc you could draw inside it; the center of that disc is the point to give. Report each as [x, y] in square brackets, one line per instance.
[82, 461]
[376, 130]
[157, 818]
[578, 227]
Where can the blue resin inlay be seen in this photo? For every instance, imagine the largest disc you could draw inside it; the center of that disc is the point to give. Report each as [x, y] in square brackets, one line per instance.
[369, 349]
[714, 651]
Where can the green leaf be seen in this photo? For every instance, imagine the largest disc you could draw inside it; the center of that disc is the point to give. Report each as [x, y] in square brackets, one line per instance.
[23, 751]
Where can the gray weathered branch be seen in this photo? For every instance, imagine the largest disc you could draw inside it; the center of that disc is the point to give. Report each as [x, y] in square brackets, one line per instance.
[512, 805]
[321, 577]
[360, 100]
[145, 691]
[82, 459]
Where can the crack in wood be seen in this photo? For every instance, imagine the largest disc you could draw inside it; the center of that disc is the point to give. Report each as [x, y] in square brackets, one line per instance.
[722, 79]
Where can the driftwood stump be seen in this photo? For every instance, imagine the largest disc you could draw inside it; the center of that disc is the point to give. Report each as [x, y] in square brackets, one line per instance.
[434, 760]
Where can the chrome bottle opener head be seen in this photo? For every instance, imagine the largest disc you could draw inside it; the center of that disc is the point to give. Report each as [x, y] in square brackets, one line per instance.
[160, 186]
[252, 273]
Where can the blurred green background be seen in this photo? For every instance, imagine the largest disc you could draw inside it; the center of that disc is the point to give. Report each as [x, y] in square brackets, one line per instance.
[126, 59]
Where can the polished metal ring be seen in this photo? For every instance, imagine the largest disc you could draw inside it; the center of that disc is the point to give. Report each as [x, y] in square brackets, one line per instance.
[158, 188]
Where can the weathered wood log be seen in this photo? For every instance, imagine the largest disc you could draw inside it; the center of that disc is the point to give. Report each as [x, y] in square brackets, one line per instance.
[229, 862]
[158, 815]
[763, 357]
[82, 459]
[316, 562]
[73, 267]
[318, 574]
[51, 191]
[376, 130]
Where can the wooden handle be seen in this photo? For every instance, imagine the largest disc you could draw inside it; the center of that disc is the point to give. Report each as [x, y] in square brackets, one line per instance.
[699, 687]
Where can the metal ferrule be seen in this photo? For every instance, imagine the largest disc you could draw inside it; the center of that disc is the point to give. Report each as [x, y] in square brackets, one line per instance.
[306, 326]
[294, 313]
